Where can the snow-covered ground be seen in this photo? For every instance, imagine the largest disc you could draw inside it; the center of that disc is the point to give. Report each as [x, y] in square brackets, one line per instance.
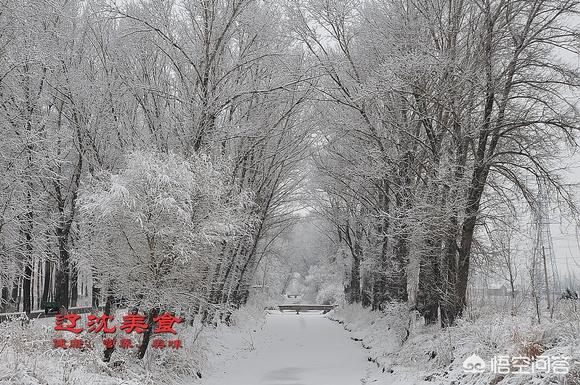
[27, 356]
[256, 348]
[305, 349]
[409, 353]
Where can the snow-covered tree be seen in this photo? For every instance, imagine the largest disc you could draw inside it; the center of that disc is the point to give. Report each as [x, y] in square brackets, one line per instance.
[152, 231]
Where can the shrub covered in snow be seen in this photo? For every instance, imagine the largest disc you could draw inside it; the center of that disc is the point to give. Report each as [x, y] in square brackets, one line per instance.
[410, 353]
[27, 355]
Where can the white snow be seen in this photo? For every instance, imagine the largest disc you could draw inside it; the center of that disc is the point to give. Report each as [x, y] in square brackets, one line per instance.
[291, 349]
[429, 355]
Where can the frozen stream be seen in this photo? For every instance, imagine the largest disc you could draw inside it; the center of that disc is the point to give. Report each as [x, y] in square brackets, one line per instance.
[291, 349]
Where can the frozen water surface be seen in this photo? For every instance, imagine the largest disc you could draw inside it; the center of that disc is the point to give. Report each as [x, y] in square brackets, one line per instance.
[305, 349]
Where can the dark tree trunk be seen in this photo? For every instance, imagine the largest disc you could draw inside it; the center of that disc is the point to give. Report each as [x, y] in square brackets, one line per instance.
[429, 291]
[397, 290]
[47, 281]
[95, 296]
[467, 231]
[108, 308]
[62, 272]
[393, 283]
[221, 295]
[74, 288]
[397, 281]
[14, 299]
[354, 294]
[19, 297]
[27, 279]
[38, 284]
[384, 266]
[219, 277]
[4, 299]
[354, 288]
[26, 292]
[451, 306]
[367, 290]
[448, 300]
[147, 333]
[242, 295]
[379, 288]
[63, 232]
[239, 292]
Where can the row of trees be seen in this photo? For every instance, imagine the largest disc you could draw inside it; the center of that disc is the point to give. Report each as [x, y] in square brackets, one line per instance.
[432, 119]
[153, 150]
[149, 150]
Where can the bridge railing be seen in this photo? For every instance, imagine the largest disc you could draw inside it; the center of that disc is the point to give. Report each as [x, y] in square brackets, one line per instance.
[302, 307]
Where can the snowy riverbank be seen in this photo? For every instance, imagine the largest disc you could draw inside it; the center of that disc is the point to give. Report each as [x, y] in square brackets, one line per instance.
[408, 353]
[27, 355]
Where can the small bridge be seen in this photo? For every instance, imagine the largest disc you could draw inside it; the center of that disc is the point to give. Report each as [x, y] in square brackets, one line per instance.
[302, 307]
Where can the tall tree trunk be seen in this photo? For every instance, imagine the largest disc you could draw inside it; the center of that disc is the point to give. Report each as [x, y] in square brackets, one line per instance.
[108, 310]
[63, 229]
[397, 281]
[95, 292]
[397, 287]
[26, 286]
[27, 278]
[47, 281]
[4, 297]
[468, 229]
[14, 300]
[366, 289]
[449, 282]
[62, 277]
[384, 266]
[147, 333]
[353, 290]
[74, 287]
[429, 291]
[239, 297]
[38, 285]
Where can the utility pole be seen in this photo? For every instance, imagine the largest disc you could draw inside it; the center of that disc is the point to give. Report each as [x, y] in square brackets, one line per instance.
[544, 240]
[546, 277]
